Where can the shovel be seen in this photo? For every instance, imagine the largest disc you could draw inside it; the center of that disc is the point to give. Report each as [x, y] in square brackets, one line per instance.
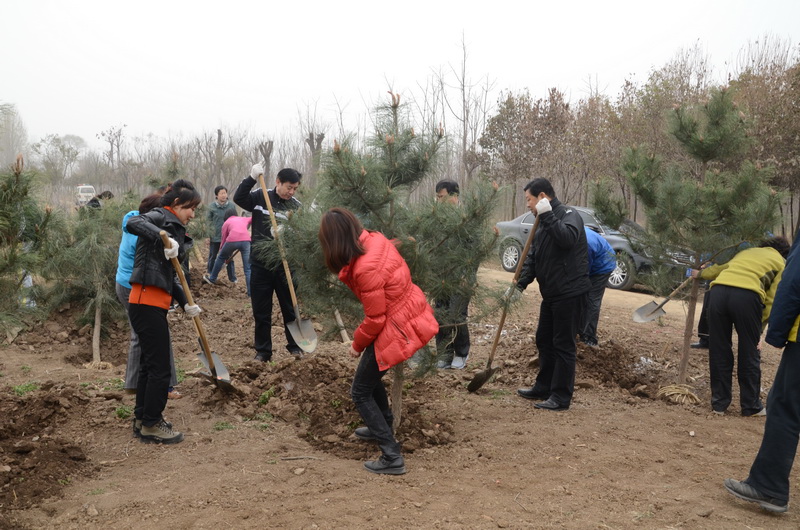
[481, 377]
[302, 330]
[652, 310]
[233, 255]
[217, 373]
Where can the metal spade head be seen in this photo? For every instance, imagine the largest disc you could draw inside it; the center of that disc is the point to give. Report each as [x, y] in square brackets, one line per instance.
[481, 378]
[303, 333]
[649, 312]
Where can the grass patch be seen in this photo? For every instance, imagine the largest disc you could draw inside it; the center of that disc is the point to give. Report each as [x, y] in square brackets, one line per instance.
[123, 412]
[222, 426]
[97, 491]
[25, 388]
[26, 369]
[264, 398]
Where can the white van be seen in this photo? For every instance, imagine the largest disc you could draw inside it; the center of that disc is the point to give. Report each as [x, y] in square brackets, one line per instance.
[84, 193]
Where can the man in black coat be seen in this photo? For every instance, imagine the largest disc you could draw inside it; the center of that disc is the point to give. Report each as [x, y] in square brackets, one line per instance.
[266, 279]
[558, 260]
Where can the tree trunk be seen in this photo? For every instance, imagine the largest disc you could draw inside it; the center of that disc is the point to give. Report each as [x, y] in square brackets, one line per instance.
[687, 331]
[98, 324]
[397, 394]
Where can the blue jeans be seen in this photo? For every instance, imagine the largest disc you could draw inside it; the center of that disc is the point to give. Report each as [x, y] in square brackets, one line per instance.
[225, 252]
[213, 252]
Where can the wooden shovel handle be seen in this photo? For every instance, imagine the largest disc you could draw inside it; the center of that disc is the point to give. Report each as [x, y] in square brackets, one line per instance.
[277, 237]
[514, 281]
[201, 332]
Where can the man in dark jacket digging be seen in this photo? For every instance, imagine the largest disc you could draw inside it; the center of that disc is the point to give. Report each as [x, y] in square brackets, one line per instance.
[558, 260]
[267, 279]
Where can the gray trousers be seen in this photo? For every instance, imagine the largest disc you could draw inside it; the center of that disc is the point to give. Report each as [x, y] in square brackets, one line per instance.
[135, 351]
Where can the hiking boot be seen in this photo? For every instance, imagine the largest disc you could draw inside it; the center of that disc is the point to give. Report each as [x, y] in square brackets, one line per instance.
[363, 433]
[174, 394]
[746, 492]
[383, 466]
[459, 363]
[444, 365]
[160, 433]
[137, 427]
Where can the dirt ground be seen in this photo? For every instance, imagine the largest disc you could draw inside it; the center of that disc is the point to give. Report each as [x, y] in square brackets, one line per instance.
[279, 453]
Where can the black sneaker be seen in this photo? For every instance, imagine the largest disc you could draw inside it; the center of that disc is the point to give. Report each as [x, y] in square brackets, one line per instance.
[160, 433]
[382, 466]
[699, 345]
[263, 357]
[746, 492]
[208, 280]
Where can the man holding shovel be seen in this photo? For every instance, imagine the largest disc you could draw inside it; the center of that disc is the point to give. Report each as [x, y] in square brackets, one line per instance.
[558, 260]
[267, 279]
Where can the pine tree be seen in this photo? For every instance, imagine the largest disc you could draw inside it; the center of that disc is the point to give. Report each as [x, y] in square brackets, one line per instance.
[707, 202]
[442, 244]
[83, 273]
[29, 236]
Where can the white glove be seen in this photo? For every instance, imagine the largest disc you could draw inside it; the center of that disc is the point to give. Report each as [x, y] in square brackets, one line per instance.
[192, 310]
[272, 231]
[512, 294]
[172, 251]
[543, 206]
[257, 170]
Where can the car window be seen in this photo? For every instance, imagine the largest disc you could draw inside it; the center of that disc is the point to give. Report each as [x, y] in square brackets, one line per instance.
[528, 219]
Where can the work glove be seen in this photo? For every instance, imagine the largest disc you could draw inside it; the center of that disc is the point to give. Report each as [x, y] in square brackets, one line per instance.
[172, 251]
[192, 310]
[272, 231]
[543, 206]
[512, 294]
[256, 171]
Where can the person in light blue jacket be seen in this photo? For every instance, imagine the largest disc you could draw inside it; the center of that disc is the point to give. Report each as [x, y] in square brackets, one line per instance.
[127, 251]
[602, 261]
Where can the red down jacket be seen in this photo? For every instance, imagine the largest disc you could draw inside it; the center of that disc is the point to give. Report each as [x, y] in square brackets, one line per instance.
[397, 317]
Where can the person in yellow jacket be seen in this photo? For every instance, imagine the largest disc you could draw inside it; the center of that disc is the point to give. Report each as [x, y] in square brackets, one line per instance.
[743, 290]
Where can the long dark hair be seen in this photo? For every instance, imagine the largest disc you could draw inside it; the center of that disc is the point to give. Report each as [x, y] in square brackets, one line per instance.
[181, 193]
[338, 234]
[150, 202]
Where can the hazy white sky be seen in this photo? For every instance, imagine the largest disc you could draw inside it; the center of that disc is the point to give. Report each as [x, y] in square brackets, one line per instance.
[172, 66]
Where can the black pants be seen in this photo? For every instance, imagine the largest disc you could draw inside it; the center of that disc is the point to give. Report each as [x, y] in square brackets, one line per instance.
[372, 403]
[559, 322]
[773, 464]
[733, 307]
[702, 323]
[453, 336]
[593, 303]
[213, 252]
[150, 324]
[263, 284]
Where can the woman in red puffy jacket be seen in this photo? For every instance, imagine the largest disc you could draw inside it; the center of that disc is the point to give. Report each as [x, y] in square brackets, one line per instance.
[398, 321]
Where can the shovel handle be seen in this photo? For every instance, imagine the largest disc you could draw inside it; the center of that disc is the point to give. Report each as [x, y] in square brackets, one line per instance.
[514, 281]
[670, 295]
[233, 255]
[280, 244]
[197, 323]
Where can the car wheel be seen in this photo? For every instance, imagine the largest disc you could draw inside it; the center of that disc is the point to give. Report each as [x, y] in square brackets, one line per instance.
[624, 275]
[509, 255]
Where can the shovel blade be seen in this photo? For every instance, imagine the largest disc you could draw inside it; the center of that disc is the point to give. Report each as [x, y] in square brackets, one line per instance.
[303, 333]
[480, 379]
[220, 375]
[648, 313]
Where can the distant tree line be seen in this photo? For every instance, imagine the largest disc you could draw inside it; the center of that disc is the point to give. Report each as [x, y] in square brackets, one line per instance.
[509, 138]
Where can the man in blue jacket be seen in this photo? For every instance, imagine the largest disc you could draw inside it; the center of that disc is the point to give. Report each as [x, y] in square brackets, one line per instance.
[558, 260]
[602, 261]
[768, 482]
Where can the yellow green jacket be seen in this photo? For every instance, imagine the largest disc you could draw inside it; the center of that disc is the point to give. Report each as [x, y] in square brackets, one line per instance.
[755, 269]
